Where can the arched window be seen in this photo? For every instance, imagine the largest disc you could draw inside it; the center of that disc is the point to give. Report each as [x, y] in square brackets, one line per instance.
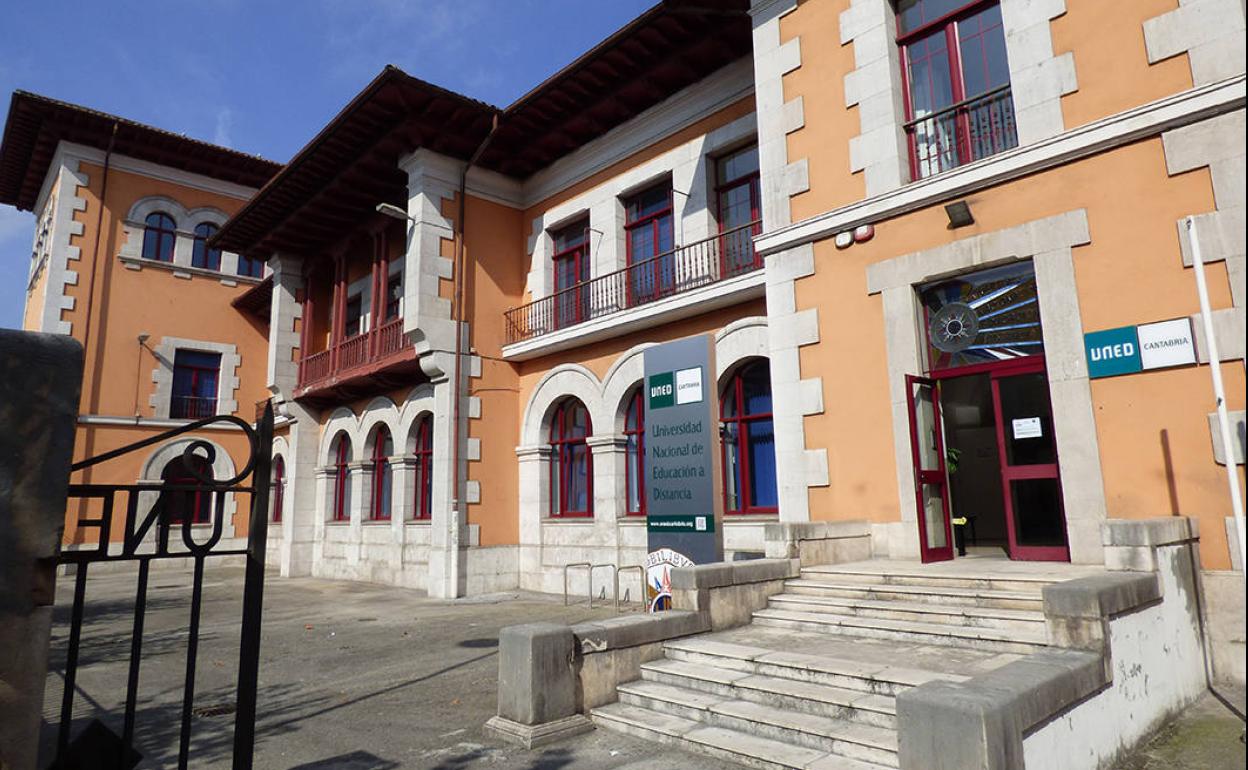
[340, 505]
[571, 467]
[422, 500]
[201, 255]
[634, 455]
[279, 487]
[181, 504]
[159, 236]
[749, 441]
[383, 475]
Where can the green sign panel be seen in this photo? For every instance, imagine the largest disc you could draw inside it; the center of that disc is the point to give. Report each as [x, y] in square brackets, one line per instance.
[1112, 352]
[662, 390]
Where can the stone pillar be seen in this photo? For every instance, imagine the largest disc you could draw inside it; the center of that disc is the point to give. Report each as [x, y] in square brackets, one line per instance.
[536, 685]
[447, 534]
[534, 506]
[608, 453]
[302, 512]
[283, 371]
[40, 384]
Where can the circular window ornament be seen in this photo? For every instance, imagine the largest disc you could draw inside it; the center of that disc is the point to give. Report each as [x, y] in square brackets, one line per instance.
[953, 327]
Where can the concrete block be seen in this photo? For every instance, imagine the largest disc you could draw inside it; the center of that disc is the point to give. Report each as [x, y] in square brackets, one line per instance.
[636, 630]
[535, 678]
[1224, 624]
[1237, 436]
[1148, 532]
[40, 384]
[1100, 596]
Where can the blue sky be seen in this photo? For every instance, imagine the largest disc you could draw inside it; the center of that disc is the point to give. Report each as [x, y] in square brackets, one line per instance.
[263, 76]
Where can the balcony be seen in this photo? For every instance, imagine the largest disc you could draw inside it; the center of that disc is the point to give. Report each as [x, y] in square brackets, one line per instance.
[192, 407]
[692, 271]
[962, 133]
[366, 363]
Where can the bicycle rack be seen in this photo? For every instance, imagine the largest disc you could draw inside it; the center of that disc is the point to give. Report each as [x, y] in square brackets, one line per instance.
[616, 573]
[641, 581]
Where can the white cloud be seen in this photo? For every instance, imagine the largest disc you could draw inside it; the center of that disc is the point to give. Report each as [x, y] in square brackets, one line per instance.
[225, 121]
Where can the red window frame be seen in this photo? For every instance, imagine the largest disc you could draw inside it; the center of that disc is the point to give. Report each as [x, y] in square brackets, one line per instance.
[381, 468]
[422, 499]
[279, 487]
[342, 476]
[159, 237]
[201, 500]
[949, 21]
[183, 406]
[662, 278]
[723, 186]
[201, 255]
[563, 442]
[251, 267]
[572, 245]
[734, 394]
[635, 455]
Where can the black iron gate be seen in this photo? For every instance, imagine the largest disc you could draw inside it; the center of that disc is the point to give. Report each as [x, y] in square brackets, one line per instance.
[179, 503]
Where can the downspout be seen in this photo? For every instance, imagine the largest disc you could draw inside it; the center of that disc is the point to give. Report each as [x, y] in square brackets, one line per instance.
[457, 315]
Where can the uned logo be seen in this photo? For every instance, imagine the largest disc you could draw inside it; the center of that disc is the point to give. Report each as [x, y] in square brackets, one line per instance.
[662, 390]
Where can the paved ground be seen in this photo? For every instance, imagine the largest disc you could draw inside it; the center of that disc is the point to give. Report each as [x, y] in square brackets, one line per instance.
[352, 677]
[1205, 737]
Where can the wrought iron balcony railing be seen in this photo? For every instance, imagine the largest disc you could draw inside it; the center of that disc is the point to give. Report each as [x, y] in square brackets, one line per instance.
[972, 129]
[192, 407]
[722, 256]
[362, 350]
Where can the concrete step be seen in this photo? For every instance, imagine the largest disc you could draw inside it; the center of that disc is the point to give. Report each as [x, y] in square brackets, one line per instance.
[917, 576]
[829, 670]
[945, 595]
[993, 639]
[853, 705]
[925, 612]
[725, 743]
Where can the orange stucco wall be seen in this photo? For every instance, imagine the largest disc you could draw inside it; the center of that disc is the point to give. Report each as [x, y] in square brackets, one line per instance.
[709, 123]
[598, 357]
[1130, 273]
[1111, 65]
[495, 251]
[124, 303]
[1110, 61]
[36, 295]
[824, 140]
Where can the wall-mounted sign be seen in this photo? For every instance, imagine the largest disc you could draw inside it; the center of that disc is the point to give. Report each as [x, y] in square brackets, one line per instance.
[1131, 349]
[682, 504]
[1168, 343]
[1112, 352]
[1027, 427]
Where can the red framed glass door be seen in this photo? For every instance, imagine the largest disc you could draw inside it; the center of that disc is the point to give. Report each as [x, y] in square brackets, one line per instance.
[930, 480]
[1034, 516]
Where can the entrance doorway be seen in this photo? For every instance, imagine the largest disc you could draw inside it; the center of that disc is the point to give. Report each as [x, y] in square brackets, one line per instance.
[981, 421]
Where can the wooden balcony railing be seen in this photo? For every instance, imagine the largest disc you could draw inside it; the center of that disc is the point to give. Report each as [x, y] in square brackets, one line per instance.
[726, 255]
[356, 352]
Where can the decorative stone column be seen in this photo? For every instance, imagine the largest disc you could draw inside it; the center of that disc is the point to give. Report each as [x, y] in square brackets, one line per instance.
[609, 455]
[534, 462]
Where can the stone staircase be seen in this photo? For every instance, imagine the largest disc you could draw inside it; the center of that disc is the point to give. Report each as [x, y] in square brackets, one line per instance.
[812, 681]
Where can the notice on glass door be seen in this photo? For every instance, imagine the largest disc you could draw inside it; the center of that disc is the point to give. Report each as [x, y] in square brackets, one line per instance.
[1027, 427]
